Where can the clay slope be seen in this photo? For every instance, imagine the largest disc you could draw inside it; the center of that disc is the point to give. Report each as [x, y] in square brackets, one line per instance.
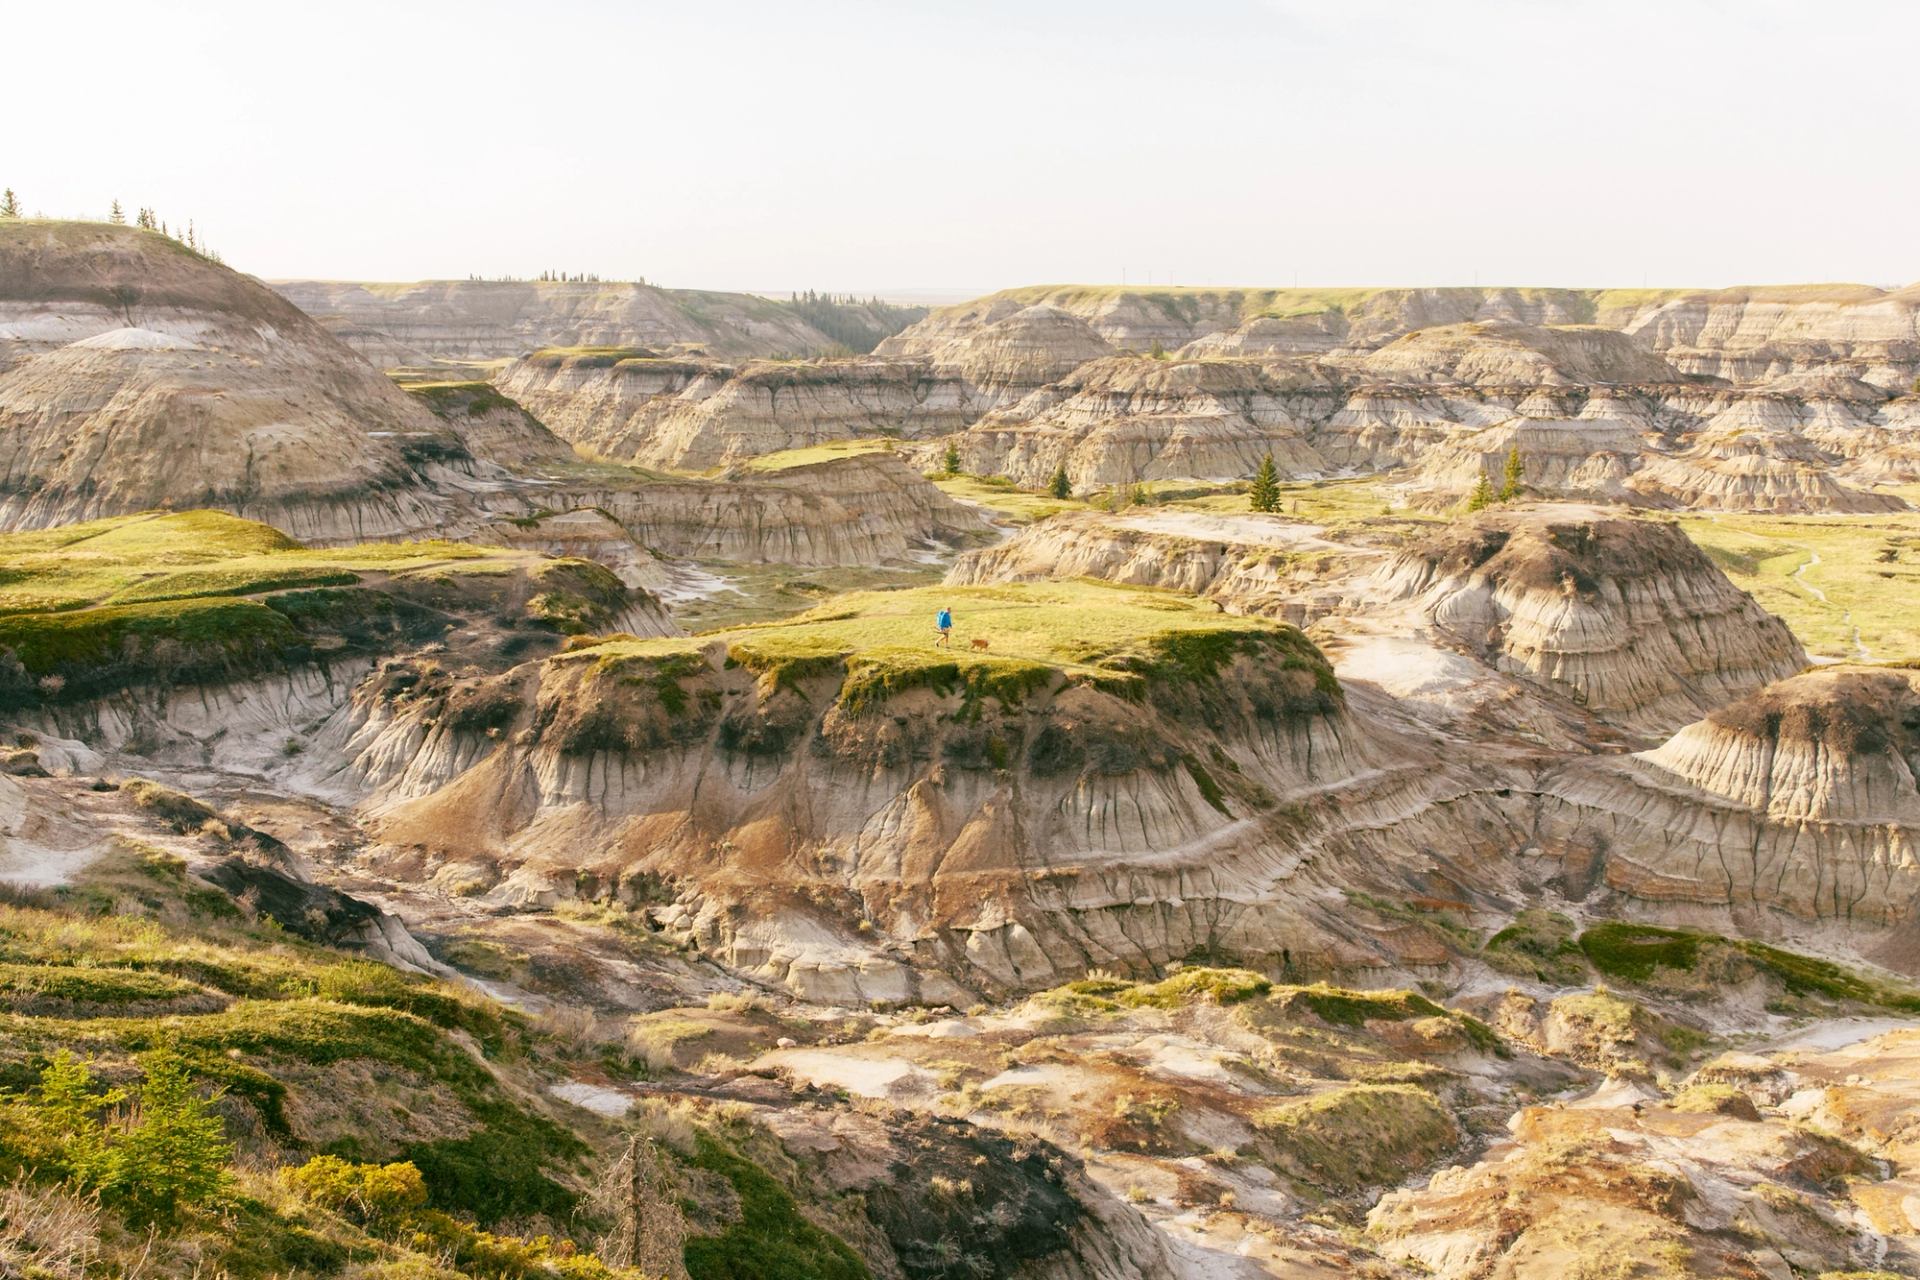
[1120, 420]
[865, 509]
[1626, 617]
[138, 374]
[487, 319]
[1799, 798]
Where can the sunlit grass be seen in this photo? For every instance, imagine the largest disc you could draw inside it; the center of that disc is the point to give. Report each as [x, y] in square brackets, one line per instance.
[1849, 586]
[1005, 499]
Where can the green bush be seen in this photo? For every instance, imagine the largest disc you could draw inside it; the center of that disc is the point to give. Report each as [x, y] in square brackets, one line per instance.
[370, 1193]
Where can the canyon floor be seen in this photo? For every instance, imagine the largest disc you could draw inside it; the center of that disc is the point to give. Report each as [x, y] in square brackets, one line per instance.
[550, 842]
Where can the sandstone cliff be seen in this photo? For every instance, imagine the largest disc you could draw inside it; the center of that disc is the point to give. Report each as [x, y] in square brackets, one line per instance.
[694, 415]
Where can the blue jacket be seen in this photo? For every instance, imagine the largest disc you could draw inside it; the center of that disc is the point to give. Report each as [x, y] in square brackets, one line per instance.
[944, 621]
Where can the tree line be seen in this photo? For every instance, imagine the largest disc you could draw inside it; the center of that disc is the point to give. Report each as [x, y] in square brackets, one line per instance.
[144, 218]
[854, 324]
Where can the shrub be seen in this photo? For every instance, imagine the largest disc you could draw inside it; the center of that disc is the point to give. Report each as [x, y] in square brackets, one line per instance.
[370, 1193]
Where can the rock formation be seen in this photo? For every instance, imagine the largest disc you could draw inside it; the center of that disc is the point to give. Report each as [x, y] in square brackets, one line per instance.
[694, 415]
[1626, 617]
[1799, 799]
[1121, 420]
[866, 509]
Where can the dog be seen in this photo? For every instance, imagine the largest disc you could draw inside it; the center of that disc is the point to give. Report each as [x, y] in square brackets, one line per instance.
[979, 643]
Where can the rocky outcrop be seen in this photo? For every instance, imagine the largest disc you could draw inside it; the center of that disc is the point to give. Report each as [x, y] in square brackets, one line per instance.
[1246, 563]
[1799, 799]
[1628, 618]
[1742, 470]
[999, 830]
[1121, 420]
[863, 509]
[681, 414]
[692, 415]
[491, 423]
[487, 319]
[138, 374]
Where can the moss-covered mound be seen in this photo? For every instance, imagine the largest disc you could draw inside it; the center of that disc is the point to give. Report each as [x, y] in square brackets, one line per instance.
[202, 595]
[1010, 642]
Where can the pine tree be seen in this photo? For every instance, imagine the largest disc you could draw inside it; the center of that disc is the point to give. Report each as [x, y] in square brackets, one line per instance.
[1060, 487]
[1265, 494]
[9, 204]
[950, 464]
[1516, 475]
[117, 215]
[1482, 496]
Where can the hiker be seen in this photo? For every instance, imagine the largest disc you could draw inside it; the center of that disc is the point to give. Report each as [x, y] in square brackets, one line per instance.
[943, 623]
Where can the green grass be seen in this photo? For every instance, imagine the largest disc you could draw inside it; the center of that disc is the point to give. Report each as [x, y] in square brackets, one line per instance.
[1327, 502]
[187, 555]
[104, 965]
[1123, 639]
[201, 595]
[786, 459]
[455, 400]
[1867, 568]
[1638, 952]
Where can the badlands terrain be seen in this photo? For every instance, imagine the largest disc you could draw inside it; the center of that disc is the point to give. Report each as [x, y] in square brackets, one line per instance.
[480, 796]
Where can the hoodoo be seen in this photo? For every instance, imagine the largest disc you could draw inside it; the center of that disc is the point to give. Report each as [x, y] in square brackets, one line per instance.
[1799, 798]
[1627, 617]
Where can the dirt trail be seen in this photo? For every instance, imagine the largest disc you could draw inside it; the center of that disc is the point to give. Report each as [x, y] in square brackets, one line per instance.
[1846, 615]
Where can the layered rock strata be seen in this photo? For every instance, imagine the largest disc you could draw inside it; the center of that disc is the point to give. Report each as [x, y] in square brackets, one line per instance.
[1799, 799]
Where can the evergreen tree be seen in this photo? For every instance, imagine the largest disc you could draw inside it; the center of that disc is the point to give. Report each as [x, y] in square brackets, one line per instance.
[117, 215]
[174, 1154]
[1482, 496]
[1516, 475]
[1061, 487]
[951, 462]
[1265, 494]
[9, 204]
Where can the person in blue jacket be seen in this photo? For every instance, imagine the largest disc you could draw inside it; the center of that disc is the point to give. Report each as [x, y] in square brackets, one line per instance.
[943, 623]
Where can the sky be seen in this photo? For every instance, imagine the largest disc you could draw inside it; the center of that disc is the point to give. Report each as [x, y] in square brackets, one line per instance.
[899, 146]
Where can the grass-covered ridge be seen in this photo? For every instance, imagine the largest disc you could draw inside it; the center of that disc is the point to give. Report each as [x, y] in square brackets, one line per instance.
[200, 595]
[1125, 640]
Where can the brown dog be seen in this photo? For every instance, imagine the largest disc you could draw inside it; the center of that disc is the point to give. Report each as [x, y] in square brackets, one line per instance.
[979, 643]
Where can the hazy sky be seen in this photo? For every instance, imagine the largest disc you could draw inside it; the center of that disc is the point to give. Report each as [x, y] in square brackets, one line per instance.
[892, 145]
